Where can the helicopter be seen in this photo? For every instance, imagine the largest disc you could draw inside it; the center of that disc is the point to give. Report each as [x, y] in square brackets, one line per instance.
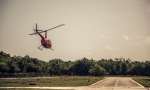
[45, 42]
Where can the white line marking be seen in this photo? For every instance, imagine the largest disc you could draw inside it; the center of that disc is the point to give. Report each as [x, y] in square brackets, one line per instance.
[98, 82]
[136, 83]
[116, 82]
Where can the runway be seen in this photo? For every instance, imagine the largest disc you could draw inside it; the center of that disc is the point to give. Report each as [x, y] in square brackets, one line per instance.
[110, 83]
[117, 82]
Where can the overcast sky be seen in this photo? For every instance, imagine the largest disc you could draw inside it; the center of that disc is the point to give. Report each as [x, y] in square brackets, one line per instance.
[93, 28]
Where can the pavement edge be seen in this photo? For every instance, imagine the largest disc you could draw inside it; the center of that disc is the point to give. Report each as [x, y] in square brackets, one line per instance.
[98, 82]
[137, 83]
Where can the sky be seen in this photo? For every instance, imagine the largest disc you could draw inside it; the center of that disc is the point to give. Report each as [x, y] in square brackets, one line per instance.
[93, 28]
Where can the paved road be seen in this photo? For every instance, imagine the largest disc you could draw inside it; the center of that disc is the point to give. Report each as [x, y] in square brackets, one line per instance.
[111, 83]
[117, 82]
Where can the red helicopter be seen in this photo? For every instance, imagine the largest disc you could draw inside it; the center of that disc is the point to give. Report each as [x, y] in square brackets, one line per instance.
[46, 43]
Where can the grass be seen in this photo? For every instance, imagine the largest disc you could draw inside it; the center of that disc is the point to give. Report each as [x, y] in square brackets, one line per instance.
[62, 81]
[145, 81]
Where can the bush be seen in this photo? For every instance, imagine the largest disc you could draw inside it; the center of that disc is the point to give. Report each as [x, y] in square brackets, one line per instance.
[32, 83]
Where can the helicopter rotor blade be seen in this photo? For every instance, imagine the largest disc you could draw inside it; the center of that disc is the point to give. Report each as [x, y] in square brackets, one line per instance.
[39, 30]
[35, 32]
[52, 28]
[32, 33]
[47, 30]
[55, 27]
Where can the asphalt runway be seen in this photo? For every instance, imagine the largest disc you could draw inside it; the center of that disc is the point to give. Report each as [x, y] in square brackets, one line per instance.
[110, 83]
[117, 83]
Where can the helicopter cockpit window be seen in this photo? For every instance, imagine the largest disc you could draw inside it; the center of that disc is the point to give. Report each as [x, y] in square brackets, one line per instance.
[49, 41]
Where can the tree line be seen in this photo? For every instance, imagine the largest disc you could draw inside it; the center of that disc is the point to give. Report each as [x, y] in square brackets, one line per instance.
[17, 65]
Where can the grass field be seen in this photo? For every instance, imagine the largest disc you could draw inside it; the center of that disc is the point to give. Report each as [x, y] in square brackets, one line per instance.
[50, 81]
[145, 81]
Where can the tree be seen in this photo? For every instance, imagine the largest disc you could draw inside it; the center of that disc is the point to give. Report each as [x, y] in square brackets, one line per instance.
[97, 70]
[84, 66]
[55, 66]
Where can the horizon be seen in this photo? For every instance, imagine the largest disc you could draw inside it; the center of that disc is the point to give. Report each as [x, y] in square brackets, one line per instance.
[78, 59]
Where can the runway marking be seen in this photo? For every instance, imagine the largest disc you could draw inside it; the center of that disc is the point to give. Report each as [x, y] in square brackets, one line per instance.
[136, 83]
[116, 82]
[98, 82]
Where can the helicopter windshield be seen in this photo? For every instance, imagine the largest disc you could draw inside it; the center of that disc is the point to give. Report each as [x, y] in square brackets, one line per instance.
[49, 41]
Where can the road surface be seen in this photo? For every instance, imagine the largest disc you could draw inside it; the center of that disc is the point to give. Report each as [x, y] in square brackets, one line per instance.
[110, 83]
[117, 83]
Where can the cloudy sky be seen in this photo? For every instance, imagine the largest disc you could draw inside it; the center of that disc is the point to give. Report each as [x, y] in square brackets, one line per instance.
[93, 28]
